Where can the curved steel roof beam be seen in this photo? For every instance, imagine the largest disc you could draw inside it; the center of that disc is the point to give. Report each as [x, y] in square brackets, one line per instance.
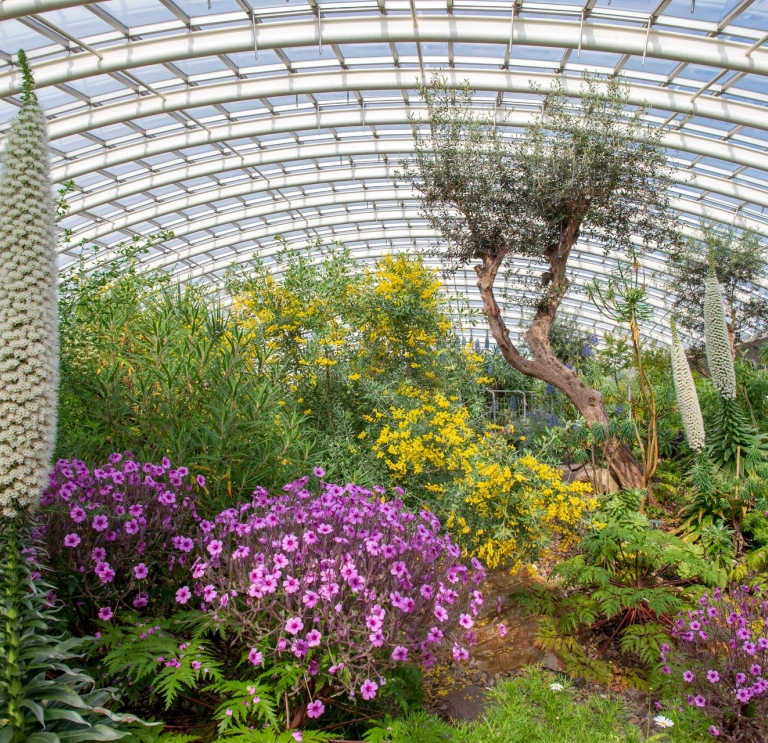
[286, 123]
[318, 201]
[259, 233]
[665, 99]
[18, 8]
[208, 196]
[344, 149]
[602, 37]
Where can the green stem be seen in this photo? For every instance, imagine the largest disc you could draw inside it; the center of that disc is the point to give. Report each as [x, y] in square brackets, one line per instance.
[12, 590]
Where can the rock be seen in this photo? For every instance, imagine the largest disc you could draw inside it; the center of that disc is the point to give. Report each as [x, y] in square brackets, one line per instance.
[552, 663]
[466, 703]
[604, 480]
[499, 656]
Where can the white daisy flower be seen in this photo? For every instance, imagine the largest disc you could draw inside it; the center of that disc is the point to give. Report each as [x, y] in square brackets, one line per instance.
[663, 722]
[556, 687]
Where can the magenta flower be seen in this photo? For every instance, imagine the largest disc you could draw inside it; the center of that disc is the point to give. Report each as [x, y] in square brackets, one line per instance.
[313, 638]
[319, 472]
[368, 690]
[209, 593]
[291, 585]
[503, 630]
[294, 625]
[77, 514]
[713, 731]
[688, 676]
[100, 522]
[141, 571]
[400, 653]
[441, 613]
[460, 653]
[466, 621]
[105, 613]
[255, 657]
[215, 547]
[755, 669]
[699, 701]
[183, 595]
[201, 481]
[132, 526]
[316, 708]
[744, 695]
[713, 676]
[71, 540]
[290, 543]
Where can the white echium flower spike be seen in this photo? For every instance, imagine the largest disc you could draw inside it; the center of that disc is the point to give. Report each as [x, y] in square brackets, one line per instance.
[29, 339]
[719, 358]
[687, 399]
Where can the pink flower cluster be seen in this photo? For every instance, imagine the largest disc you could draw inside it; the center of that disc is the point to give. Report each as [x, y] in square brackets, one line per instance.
[724, 648]
[338, 579]
[118, 531]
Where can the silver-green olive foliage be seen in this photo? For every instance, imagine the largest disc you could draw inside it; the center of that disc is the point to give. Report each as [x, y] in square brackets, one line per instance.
[590, 164]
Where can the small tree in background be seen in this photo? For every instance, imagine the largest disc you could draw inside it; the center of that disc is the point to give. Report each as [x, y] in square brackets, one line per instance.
[739, 261]
[591, 170]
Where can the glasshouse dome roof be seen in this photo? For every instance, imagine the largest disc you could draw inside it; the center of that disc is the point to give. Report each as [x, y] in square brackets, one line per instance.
[234, 122]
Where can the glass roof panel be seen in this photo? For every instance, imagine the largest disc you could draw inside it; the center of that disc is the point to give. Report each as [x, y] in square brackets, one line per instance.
[146, 157]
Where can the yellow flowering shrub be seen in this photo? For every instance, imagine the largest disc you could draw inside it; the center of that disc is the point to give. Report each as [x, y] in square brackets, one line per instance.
[503, 508]
[507, 507]
[426, 444]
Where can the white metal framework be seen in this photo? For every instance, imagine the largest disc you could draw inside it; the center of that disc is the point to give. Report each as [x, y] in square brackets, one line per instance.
[235, 123]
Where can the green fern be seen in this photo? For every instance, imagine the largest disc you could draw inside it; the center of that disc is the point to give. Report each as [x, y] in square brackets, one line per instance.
[644, 641]
[244, 703]
[629, 578]
[170, 655]
[269, 735]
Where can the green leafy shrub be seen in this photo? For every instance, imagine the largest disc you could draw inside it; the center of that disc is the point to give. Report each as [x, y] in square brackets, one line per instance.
[164, 371]
[628, 580]
[158, 658]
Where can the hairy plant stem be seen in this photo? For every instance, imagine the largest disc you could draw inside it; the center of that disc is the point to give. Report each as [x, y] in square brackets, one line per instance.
[13, 590]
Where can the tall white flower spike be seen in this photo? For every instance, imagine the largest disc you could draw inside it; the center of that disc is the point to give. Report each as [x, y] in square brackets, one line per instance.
[719, 358]
[687, 399]
[29, 347]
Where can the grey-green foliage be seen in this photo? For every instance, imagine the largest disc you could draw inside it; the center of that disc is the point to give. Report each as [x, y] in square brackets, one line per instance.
[718, 345]
[739, 258]
[594, 166]
[43, 697]
[28, 315]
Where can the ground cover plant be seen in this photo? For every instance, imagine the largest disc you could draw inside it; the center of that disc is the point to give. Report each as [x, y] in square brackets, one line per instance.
[539, 707]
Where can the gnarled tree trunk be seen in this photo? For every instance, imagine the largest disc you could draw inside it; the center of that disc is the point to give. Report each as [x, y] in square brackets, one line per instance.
[544, 364]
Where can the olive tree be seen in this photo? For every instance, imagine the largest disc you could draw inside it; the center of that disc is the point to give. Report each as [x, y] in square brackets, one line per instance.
[739, 261]
[591, 169]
